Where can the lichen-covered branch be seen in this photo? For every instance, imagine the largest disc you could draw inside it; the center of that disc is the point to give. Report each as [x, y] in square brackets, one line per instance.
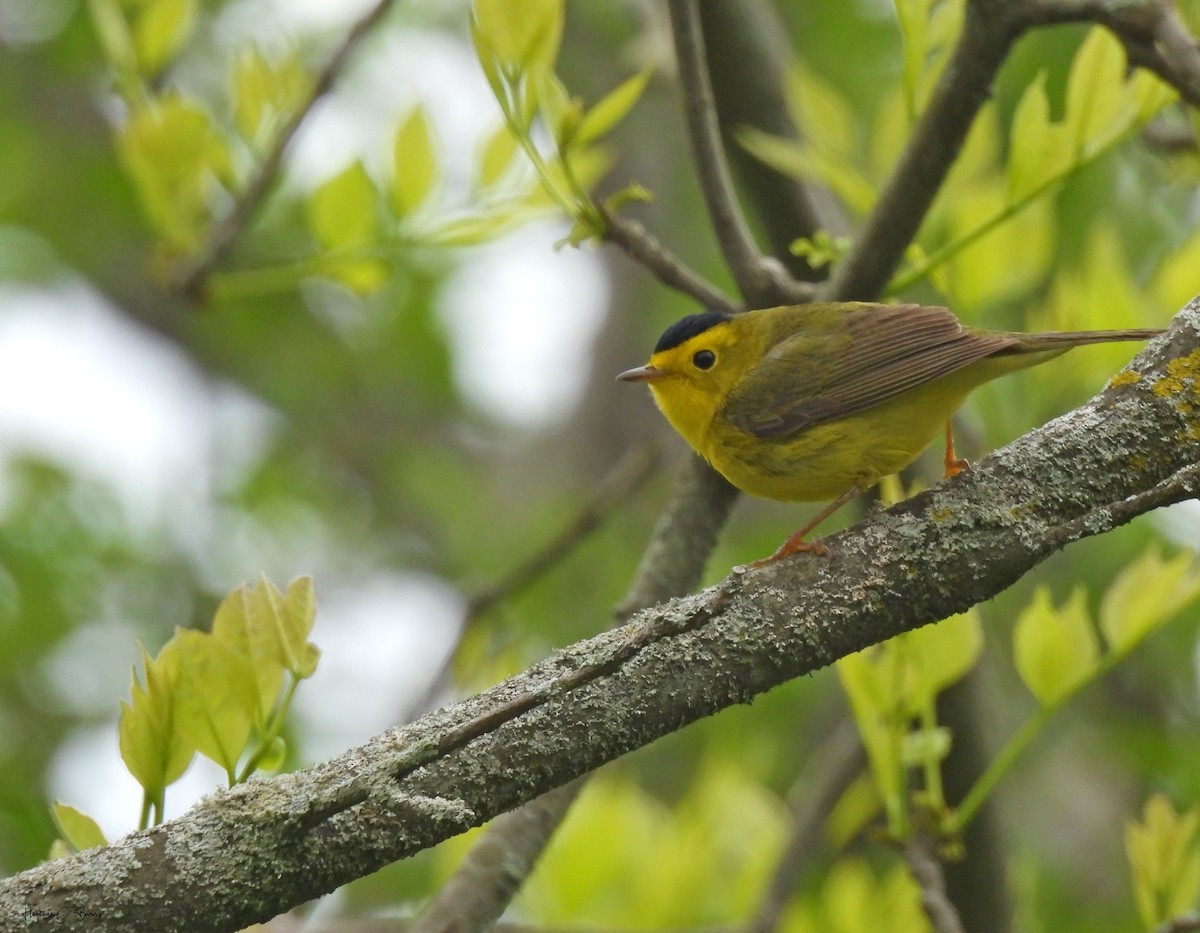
[931, 556]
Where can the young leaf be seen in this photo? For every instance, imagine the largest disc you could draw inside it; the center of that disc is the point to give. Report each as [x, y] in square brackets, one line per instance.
[161, 29]
[341, 212]
[1037, 150]
[173, 154]
[938, 656]
[215, 700]
[496, 157]
[612, 108]
[415, 165]
[1165, 860]
[1094, 88]
[520, 32]
[1147, 593]
[153, 748]
[233, 627]
[76, 828]
[1055, 649]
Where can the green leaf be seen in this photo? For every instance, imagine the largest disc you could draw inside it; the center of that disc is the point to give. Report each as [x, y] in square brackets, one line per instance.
[612, 108]
[1055, 649]
[174, 154]
[415, 165]
[1145, 595]
[300, 612]
[939, 655]
[496, 157]
[341, 212]
[215, 700]
[520, 32]
[1094, 87]
[161, 29]
[265, 93]
[1165, 861]
[116, 38]
[76, 828]
[152, 746]
[1037, 150]
[235, 627]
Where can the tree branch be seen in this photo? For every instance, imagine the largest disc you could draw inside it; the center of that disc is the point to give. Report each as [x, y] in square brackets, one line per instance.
[642, 247]
[1153, 33]
[989, 30]
[762, 280]
[931, 556]
[190, 280]
[927, 872]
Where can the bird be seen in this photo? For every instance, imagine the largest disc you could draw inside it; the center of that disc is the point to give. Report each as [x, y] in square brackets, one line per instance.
[813, 402]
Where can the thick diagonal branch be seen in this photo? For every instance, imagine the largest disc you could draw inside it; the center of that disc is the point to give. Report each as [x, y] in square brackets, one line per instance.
[932, 556]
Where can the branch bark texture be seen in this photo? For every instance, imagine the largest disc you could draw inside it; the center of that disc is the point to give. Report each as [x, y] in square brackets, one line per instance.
[410, 788]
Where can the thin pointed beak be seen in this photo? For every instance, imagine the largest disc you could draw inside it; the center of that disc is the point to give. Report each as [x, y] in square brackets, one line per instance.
[641, 374]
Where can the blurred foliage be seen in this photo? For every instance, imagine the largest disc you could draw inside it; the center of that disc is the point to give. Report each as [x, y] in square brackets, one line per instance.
[132, 127]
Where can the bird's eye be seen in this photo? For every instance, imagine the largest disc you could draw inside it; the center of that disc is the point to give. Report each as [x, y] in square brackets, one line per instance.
[704, 359]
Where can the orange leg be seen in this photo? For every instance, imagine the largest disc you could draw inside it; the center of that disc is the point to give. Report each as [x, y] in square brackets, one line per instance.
[796, 542]
[954, 463]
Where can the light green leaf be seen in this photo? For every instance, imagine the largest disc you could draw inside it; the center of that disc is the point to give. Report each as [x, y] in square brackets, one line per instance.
[265, 93]
[161, 29]
[76, 828]
[234, 626]
[520, 32]
[1094, 87]
[799, 161]
[174, 155]
[1055, 648]
[215, 701]
[300, 612]
[112, 29]
[1037, 150]
[341, 212]
[940, 655]
[1146, 594]
[612, 108]
[415, 165]
[152, 746]
[1165, 861]
[925, 746]
[828, 121]
[496, 157]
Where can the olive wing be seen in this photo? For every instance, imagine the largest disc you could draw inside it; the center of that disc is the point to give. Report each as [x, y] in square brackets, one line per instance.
[837, 366]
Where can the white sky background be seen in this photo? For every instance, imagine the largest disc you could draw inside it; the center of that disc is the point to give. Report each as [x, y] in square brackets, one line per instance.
[83, 387]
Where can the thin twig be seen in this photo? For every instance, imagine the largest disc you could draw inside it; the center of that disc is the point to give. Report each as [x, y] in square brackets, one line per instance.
[762, 280]
[623, 480]
[190, 280]
[989, 31]
[487, 879]
[829, 769]
[641, 246]
[927, 872]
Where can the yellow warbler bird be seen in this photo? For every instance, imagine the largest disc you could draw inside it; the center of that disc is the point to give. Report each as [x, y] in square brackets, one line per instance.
[821, 401]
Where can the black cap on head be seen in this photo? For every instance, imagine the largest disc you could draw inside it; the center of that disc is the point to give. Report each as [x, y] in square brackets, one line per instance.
[688, 327]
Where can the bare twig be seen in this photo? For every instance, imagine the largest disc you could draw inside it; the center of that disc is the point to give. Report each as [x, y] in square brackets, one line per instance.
[190, 280]
[829, 770]
[622, 481]
[927, 872]
[1153, 33]
[749, 60]
[988, 32]
[762, 280]
[641, 246]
